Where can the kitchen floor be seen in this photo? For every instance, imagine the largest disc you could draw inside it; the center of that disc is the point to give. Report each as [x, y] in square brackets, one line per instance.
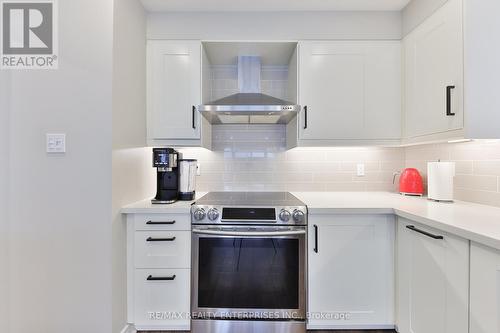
[365, 331]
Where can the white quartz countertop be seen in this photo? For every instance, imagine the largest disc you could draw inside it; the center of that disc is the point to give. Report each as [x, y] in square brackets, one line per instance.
[146, 207]
[478, 223]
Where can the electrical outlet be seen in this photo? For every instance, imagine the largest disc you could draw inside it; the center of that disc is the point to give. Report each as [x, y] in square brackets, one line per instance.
[56, 143]
[361, 170]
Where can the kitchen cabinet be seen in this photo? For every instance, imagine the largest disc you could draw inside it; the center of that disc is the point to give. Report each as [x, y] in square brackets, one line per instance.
[160, 298]
[433, 60]
[451, 73]
[174, 74]
[432, 280]
[484, 289]
[351, 272]
[350, 92]
[158, 271]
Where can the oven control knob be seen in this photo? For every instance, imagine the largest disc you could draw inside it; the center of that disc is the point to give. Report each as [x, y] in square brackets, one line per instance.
[213, 214]
[298, 216]
[199, 214]
[285, 215]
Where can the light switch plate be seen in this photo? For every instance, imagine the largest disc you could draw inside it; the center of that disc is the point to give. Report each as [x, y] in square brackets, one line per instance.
[56, 143]
[361, 170]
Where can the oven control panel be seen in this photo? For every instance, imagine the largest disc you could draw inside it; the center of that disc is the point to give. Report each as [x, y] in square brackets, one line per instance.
[201, 214]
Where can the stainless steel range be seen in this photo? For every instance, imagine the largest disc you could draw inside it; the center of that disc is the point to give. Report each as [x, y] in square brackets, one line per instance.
[249, 263]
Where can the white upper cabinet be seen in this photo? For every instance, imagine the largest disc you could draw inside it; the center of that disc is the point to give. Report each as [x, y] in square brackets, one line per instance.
[432, 280]
[451, 71]
[349, 91]
[173, 92]
[433, 58]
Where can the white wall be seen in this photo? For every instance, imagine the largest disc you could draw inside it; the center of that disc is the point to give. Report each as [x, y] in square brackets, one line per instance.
[4, 177]
[417, 11]
[60, 231]
[277, 25]
[133, 176]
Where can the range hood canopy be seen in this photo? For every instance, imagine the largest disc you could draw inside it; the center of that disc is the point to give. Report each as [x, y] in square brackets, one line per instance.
[249, 106]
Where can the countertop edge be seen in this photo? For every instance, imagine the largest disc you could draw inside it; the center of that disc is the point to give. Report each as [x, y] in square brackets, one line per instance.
[386, 206]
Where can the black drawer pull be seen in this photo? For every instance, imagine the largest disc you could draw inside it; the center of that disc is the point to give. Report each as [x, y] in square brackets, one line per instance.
[413, 228]
[170, 239]
[448, 101]
[193, 117]
[316, 238]
[305, 117]
[160, 222]
[161, 278]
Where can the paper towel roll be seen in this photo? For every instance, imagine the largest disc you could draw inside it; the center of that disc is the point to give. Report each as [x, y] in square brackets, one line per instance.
[440, 180]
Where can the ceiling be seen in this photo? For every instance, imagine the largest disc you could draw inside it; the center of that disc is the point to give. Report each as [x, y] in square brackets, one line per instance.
[273, 5]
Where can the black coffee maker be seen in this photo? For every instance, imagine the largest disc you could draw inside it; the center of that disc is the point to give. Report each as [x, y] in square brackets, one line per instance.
[167, 175]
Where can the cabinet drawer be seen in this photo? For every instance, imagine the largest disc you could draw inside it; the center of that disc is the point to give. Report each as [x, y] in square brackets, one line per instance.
[163, 222]
[162, 249]
[162, 302]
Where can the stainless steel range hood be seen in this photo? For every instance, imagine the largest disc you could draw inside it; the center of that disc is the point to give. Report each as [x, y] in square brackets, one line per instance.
[249, 106]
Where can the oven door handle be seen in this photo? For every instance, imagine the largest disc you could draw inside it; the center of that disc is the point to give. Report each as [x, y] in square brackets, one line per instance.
[249, 233]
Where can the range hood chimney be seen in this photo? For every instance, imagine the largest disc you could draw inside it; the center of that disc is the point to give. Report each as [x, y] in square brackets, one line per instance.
[249, 106]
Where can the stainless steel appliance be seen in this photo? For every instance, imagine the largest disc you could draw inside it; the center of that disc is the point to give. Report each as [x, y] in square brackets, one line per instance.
[249, 263]
[250, 105]
[187, 179]
[167, 175]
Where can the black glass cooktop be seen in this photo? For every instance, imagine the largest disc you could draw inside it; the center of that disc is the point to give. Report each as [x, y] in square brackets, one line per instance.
[249, 199]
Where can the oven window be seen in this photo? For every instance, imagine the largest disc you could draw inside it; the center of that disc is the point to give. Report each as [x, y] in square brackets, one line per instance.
[248, 273]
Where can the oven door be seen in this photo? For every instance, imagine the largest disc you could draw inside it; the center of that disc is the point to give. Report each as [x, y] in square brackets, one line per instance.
[246, 272]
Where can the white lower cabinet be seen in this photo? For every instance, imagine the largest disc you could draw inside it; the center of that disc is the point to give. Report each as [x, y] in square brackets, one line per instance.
[158, 271]
[351, 272]
[160, 298]
[432, 280]
[158, 249]
[484, 290]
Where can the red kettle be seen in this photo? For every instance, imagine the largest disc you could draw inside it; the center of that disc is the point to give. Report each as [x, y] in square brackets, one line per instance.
[410, 182]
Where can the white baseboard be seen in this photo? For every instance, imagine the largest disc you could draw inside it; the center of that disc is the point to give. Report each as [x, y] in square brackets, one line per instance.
[129, 328]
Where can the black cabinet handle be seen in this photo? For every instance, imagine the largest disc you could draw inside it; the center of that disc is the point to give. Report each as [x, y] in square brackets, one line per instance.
[193, 117]
[150, 239]
[315, 238]
[160, 222]
[305, 117]
[413, 228]
[448, 100]
[161, 278]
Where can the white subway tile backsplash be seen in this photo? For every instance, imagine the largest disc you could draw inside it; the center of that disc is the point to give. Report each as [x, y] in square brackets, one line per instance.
[254, 158]
[477, 167]
[486, 168]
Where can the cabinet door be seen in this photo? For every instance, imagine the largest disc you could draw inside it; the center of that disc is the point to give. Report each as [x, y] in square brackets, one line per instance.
[350, 283]
[174, 89]
[433, 58]
[484, 290]
[352, 90]
[162, 304]
[433, 280]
